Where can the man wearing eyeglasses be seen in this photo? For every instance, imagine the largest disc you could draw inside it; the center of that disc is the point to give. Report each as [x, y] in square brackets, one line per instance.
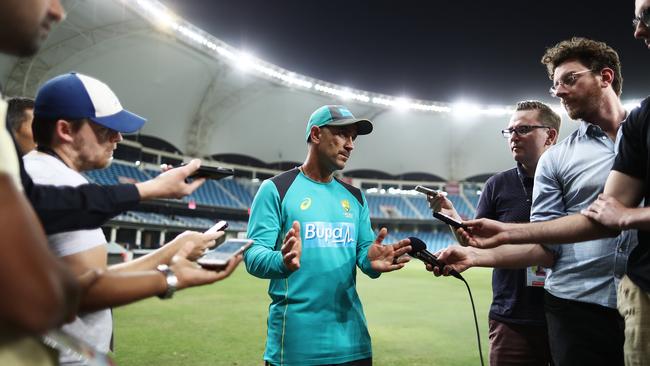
[580, 301]
[518, 333]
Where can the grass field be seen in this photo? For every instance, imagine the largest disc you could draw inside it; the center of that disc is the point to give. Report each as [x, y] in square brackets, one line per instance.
[414, 319]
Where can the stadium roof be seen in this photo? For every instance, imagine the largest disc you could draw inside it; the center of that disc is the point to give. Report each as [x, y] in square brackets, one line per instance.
[206, 98]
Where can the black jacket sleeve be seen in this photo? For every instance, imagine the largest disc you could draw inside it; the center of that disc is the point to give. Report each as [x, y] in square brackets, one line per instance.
[72, 208]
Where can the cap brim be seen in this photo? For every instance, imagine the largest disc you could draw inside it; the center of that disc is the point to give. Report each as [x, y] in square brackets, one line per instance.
[364, 126]
[123, 121]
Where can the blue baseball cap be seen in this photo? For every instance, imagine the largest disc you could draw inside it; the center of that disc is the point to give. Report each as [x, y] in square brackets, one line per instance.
[337, 115]
[77, 96]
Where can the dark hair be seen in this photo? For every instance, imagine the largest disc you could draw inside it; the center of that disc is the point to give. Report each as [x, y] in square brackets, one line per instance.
[547, 116]
[16, 108]
[43, 129]
[593, 54]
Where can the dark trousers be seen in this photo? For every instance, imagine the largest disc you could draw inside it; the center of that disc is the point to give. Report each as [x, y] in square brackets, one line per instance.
[518, 345]
[583, 333]
[364, 362]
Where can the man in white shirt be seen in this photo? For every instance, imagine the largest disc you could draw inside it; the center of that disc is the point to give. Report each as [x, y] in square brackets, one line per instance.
[78, 122]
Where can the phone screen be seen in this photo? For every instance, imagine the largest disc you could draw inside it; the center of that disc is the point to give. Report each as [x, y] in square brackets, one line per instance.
[222, 254]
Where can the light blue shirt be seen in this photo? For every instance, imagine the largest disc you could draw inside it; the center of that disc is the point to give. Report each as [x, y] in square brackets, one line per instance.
[568, 178]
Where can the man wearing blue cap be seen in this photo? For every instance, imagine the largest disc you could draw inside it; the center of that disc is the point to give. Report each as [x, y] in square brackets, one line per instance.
[315, 317]
[78, 122]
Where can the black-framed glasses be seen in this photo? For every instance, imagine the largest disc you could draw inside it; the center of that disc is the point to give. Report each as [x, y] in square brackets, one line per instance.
[569, 79]
[644, 19]
[520, 130]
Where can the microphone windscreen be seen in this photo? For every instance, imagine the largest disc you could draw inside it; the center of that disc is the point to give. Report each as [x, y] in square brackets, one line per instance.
[417, 245]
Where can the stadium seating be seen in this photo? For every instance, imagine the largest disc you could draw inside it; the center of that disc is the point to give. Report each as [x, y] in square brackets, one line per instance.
[117, 173]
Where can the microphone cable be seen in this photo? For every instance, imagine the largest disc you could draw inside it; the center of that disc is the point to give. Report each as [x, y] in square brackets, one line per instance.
[478, 334]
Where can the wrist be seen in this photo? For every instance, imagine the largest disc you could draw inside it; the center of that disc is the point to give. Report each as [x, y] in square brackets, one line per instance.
[144, 189]
[625, 221]
[171, 281]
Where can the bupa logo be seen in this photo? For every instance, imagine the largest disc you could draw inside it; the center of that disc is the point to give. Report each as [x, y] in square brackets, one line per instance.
[329, 234]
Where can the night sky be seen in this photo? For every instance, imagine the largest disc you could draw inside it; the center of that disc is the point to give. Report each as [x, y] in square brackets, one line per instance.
[481, 51]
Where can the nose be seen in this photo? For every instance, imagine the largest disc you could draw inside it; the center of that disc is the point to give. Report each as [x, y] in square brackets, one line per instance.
[514, 136]
[641, 32]
[561, 90]
[349, 143]
[56, 11]
[116, 137]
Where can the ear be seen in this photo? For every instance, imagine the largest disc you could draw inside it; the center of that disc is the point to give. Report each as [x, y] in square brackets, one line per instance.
[552, 137]
[607, 75]
[314, 134]
[63, 131]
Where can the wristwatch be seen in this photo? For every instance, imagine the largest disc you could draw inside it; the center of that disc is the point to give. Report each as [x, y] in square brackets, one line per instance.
[170, 278]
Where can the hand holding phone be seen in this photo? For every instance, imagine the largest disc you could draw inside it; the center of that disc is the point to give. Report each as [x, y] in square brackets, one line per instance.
[218, 258]
[210, 172]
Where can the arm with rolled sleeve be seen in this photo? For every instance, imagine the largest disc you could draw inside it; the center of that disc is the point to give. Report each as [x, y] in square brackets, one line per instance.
[364, 241]
[262, 259]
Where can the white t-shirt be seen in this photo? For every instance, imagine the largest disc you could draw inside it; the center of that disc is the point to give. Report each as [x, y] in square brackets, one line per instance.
[95, 328]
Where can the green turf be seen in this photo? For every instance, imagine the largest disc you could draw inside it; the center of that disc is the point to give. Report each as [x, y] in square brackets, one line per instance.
[414, 319]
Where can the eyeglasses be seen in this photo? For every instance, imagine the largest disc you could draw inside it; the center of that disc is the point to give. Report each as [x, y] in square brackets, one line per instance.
[567, 80]
[644, 19]
[520, 130]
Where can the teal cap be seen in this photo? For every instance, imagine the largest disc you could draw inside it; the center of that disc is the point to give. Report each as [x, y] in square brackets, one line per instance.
[337, 115]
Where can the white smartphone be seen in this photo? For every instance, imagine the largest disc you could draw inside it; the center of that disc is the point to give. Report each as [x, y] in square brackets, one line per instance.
[219, 226]
[219, 257]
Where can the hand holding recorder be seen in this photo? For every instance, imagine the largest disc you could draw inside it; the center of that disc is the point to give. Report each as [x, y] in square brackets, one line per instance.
[442, 208]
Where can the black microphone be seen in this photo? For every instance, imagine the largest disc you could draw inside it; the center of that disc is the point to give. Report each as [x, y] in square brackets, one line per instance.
[419, 251]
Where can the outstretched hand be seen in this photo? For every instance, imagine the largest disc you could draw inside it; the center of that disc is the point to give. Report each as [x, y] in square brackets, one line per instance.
[440, 203]
[292, 248]
[455, 257]
[483, 233]
[172, 183]
[190, 274]
[608, 211]
[387, 258]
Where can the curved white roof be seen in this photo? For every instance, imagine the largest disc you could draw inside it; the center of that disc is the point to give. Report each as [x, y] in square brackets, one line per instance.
[196, 93]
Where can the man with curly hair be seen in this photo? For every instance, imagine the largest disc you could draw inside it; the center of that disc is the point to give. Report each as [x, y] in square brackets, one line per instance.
[584, 325]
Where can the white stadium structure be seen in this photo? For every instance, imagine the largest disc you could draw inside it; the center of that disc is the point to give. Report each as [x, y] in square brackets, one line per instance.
[204, 98]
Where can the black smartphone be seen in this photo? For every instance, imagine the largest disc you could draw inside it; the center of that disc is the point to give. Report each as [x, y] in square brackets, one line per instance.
[219, 257]
[448, 220]
[211, 172]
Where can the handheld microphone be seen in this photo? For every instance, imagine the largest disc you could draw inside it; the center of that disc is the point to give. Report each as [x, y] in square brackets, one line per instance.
[419, 251]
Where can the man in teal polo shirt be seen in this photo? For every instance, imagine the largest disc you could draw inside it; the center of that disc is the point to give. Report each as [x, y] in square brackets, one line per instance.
[310, 232]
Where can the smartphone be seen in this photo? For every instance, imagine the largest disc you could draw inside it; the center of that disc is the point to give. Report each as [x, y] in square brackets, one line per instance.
[448, 220]
[219, 257]
[219, 226]
[211, 172]
[428, 191]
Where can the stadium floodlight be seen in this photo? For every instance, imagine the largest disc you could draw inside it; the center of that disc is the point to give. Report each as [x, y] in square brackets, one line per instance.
[465, 109]
[159, 13]
[402, 103]
[245, 61]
